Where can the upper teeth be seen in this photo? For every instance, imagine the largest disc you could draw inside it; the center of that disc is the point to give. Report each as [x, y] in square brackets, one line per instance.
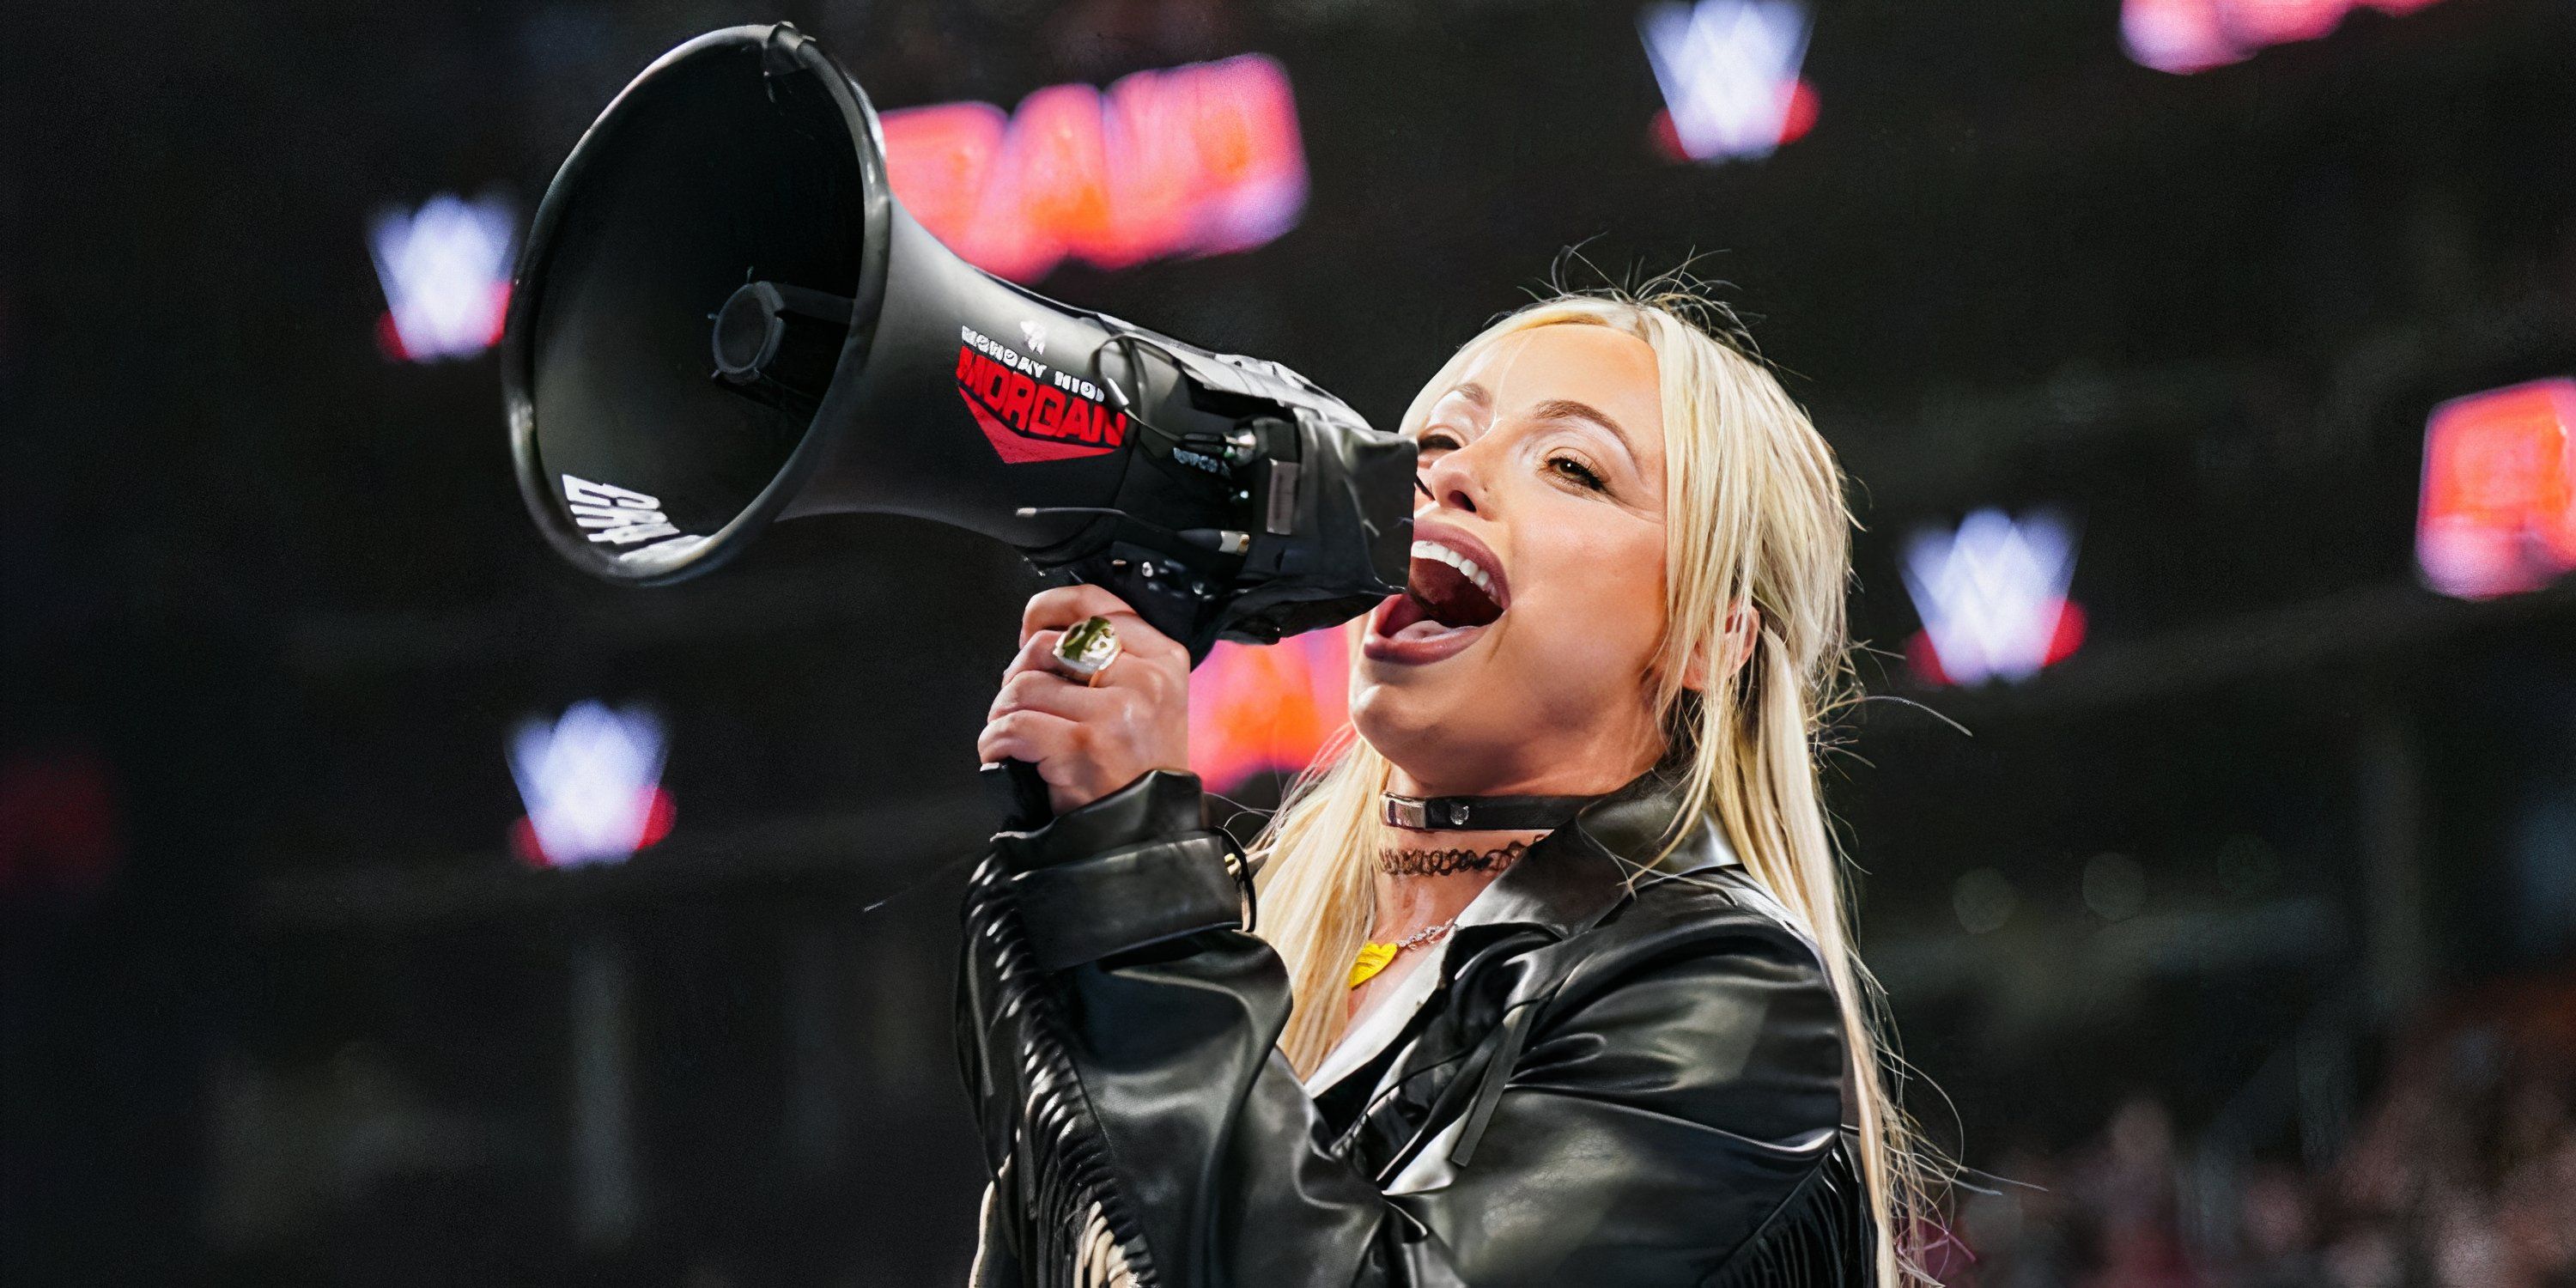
[1466, 567]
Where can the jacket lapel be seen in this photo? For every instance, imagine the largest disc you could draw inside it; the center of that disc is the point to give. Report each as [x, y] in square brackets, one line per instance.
[1575, 875]
[1564, 884]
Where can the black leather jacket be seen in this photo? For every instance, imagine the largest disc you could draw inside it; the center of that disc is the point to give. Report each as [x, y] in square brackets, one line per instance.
[1631, 1074]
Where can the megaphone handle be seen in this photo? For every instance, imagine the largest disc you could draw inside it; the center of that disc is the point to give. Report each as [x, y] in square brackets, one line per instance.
[1022, 795]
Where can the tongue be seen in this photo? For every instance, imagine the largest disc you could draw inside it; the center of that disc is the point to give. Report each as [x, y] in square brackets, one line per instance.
[1447, 598]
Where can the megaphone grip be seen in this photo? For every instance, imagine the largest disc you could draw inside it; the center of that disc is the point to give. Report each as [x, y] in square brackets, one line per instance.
[1021, 793]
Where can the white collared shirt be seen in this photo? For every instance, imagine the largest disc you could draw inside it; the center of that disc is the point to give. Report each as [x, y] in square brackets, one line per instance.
[1365, 1041]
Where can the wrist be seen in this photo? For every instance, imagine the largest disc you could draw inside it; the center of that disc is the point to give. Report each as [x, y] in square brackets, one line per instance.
[1159, 803]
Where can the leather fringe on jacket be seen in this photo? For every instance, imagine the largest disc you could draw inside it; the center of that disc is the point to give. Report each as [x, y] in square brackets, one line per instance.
[1633, 1074]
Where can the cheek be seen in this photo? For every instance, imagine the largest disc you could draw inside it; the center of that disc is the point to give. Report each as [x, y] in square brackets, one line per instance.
[1596, 604]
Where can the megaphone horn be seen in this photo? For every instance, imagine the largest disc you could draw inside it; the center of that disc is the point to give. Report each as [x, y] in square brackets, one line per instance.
[722, 317]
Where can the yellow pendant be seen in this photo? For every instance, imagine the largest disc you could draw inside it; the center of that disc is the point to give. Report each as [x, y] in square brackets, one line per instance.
[1372, 959]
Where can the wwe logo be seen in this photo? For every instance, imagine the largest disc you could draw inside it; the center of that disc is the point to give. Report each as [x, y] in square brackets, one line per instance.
[1992, 596]
[1729, 71]
[446, 274]
[1034, 334]
[592, 783]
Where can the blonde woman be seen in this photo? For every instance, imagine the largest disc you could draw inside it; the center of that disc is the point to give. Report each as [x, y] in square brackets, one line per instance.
[1547, 980]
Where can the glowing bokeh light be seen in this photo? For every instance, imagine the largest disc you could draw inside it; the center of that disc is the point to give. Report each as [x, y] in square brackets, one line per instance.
[2497, 513]
[1729, 72]
[446, 273]
[2184, 36]
[1255, 710]
[1992, 596]
[592, 784]
[59, 826]
[1203, 159]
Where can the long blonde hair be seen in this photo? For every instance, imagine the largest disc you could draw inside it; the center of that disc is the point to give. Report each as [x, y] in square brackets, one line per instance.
[1755, 515]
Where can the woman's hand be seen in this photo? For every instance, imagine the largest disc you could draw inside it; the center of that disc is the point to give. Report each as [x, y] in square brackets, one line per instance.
[1089, 742]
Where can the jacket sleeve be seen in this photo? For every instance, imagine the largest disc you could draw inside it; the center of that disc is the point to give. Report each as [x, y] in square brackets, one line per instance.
[1119, 1027]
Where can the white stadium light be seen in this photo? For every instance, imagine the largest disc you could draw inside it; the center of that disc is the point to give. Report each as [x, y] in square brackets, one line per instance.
[1729, 71]
[1992, 596]
[592, 783]
[446, 274]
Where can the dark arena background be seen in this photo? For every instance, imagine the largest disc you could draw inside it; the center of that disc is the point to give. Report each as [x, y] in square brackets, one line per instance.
[383, 902]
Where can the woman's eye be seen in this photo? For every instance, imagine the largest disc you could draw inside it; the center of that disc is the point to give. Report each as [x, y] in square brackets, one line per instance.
[1577, 472]
[1434, 442]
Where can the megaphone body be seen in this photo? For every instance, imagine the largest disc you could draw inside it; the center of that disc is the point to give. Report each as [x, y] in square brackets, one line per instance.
[723, 317]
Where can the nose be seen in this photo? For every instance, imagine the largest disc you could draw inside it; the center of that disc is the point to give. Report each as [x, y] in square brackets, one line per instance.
[1455, 481]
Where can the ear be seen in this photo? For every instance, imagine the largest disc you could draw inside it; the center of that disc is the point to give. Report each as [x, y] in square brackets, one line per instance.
[1731, 648]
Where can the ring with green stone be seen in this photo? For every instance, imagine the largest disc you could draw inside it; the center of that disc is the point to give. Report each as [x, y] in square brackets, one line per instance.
[1087, 649]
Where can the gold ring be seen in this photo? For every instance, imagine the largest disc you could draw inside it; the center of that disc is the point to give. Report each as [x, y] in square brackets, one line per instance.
[1087, 649]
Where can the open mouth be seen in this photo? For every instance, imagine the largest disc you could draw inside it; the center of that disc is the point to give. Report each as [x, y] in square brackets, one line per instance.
[1455, 589]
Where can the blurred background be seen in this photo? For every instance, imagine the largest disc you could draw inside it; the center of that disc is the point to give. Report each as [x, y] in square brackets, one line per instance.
[381, 902]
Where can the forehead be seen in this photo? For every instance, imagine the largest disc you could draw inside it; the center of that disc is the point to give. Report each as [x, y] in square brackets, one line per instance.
[1608, 369]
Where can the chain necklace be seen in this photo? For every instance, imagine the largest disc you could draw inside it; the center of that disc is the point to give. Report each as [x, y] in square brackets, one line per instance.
[1375, 957]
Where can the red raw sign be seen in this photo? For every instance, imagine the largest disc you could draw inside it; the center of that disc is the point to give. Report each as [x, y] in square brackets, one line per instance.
[1196, 160]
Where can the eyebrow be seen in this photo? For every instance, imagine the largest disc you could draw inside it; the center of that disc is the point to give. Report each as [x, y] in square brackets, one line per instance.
[1553, 409]
[1569, 409]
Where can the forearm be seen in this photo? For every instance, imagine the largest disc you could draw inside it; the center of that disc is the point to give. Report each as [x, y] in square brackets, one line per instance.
[1126, 1049]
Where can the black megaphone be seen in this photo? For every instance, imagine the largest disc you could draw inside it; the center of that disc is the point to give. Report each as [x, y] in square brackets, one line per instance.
[723, 317]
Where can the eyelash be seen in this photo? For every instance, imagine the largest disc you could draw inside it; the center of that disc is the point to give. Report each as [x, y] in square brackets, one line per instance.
[1580, 474]
[1578, 471]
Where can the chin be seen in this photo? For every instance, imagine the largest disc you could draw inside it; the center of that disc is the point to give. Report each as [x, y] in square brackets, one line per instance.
[1412, 720]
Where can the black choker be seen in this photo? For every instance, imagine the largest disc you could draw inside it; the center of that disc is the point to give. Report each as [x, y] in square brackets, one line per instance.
[1480, 813]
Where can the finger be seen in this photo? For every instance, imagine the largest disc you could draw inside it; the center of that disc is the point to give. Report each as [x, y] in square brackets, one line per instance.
[1033, 736]
[1137, 639]
[1061, 606]
[1137, 642]
[1038, 656]
[1055, 695]
[1064, 605]
[1037, 653]
[1154, 681]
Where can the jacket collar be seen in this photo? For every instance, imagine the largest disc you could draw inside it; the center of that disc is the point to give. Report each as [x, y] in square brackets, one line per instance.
[1579, 872]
